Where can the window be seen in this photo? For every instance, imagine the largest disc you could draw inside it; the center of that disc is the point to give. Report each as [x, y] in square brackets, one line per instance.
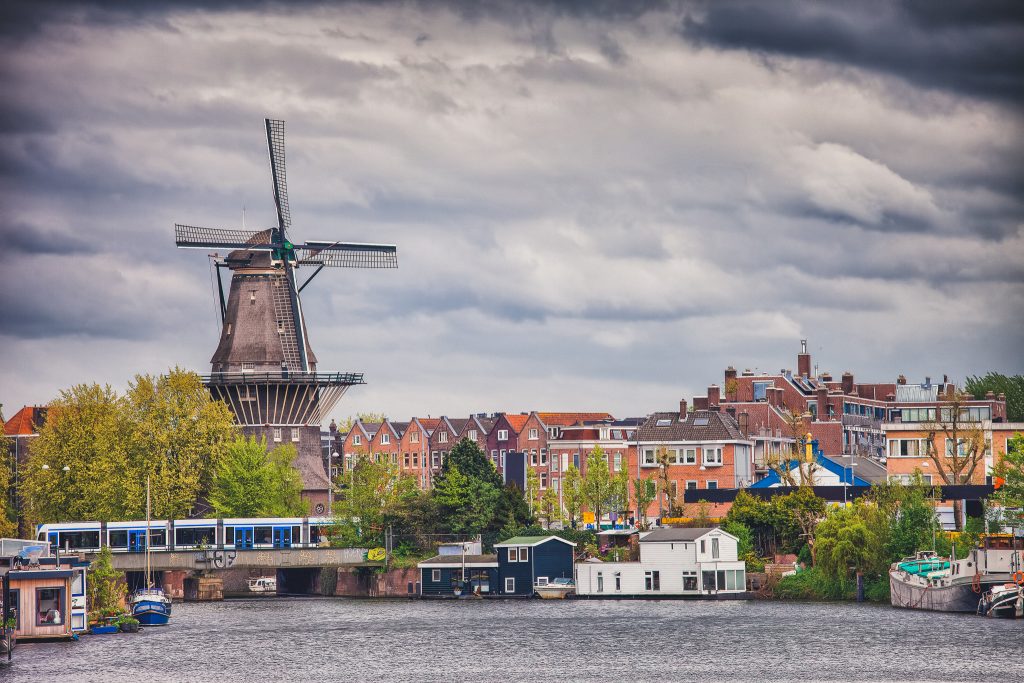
[394, 458]
[414, 437]
[652, 581]
[761, 390]
[689, 581]
[700, 421]
[510, 585]
[691, 485]
[15, 597]
[533, 458]
[543, 480]
[406, 461]
[543, 456]
[714, 548]
[248, 367]
[443, 437]
[664, 422]
[962, 450]
[618, 581]
[703, 549]
[385, 438]
[49, 606]
[713, 455]
[649, 457]
[415, 459]
[356, 440]
[533, 434]
[690, 456]
[435, 575]
[494, 455]
[908, 448]
[735, 580]
[295, 433]
[600, 582]
[618, 462]
[542, 580]
[712, 483]
[524, 554]
[277, 433]
[502, 435]
[674, 489]
[512, 556]
[908, 479]
[471, 435]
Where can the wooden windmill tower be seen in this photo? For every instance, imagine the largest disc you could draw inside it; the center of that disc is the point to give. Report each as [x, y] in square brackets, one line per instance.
[264, 368]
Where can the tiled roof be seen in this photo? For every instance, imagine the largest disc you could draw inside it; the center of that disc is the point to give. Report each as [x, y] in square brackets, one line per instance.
[24, 422]
[568, 419]
[517, 421]
[459, 424]
[700, 425]
[370, 428]
[399, 427]
[429, 423]
[487, 423]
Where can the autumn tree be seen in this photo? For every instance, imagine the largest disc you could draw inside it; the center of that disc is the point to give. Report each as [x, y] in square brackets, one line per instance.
[961, 445]
[8, 515]
[1010, 473]
[644, 491]
[664, 483]
[797, 467]
[250, 482]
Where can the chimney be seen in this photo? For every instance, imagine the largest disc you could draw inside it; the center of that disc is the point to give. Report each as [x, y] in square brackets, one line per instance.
[847, 382]
[1001, 397]
[826, 376]
[990, 395]
[901, 380]
[945, 379]
[333, 428]
[714, 395]
[731, 388]
[744, 422]
[927, 382]
[890, 397]
[822, 404]
[803, 360]
[700, 402]
[682, 408]
[773, 394]
[730, 373]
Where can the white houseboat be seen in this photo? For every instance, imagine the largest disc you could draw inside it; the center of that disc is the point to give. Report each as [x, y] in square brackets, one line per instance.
[673, 562]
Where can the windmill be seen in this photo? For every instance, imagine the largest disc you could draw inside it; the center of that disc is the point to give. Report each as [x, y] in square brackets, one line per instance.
[264, 368]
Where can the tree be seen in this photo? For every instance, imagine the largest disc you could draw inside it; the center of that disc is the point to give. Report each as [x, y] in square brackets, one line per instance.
[532, 488]
[664, 485]
[471, 460]
[1010, 470]
[619, 500]
[375, 493]
[572, 494]
[644, 491]
[797, 515]
[8, 515]
[250, 482]
[598, 488]
[346, 424]
[909, 520]
[466, 504]
[549, 508]
[850, 540]
[106, 587]
[1010, 385]
[963, 445]
[798, 467]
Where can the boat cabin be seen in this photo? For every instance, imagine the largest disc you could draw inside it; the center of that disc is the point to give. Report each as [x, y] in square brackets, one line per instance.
[449, 575]
[528, 561]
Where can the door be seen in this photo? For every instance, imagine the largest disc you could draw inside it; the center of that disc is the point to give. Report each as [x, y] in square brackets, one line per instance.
[52, 538]
[282, 537]
[137, 540]
[243, 536]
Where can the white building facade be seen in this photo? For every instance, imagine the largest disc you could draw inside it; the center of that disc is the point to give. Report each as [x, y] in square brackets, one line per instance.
[672, 562]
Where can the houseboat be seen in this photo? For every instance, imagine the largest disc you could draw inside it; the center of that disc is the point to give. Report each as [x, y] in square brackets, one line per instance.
[691, 563]
[527, 564]
[928, 582]
[1006, 601]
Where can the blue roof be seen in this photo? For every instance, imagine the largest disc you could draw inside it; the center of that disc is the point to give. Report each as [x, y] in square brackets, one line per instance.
[845, 474]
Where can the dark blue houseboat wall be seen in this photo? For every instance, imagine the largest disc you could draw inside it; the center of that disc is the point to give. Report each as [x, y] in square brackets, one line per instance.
[551, 558]
[442, 588]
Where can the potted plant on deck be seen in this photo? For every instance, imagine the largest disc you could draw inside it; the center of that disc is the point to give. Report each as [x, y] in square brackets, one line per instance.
[127, 623]
[107, 591]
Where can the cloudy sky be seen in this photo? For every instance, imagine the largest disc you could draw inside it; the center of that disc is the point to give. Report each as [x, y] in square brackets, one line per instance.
[595, 208]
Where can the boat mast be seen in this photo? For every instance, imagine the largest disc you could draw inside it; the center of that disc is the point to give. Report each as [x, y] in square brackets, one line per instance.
[149, 582]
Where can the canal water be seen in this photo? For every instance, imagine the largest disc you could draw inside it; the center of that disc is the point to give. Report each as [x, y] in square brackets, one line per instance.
[334, 639]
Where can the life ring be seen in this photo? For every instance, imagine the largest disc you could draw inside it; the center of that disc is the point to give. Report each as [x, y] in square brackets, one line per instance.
[976, 583]
[1018, 578]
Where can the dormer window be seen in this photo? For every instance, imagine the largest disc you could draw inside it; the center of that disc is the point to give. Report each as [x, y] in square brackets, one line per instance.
[385, 438]
[471, 434]
[356, 439]
[502, 435]
[414, 437]
[533, 435]
[443, 437]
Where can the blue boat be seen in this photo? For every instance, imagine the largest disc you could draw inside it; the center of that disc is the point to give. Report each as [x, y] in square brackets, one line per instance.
[151, 606]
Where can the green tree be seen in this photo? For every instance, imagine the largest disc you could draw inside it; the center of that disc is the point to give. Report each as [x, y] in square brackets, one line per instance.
[466, 504]
[1010, 385]
[619, 499]
[512, 512]
[375, 493]
[250, 482]
[644, 491]
[572, 494]
[106, 587]
[549, 508]
[797, 515]
[850, 540]
[1010, 494]
[532, 492]
[598, 487]
[8, 515]
[471, 460]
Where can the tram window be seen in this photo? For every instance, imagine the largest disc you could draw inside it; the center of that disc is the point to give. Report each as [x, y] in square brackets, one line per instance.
[119, 538]
[296, 533]
[196, 535]
[229, 535]
[263, 534]
[158, 537]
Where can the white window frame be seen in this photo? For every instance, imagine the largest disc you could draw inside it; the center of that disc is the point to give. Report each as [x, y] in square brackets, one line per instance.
[650, 457]
[385, 438]
[277, 434]
[414, 437]
[542, 580]
[618, 462]
[691, 481]
[356, 440]
[295, 434]
[524, 554]
[543, 481]
[533, 434]
[471, 434]
[689, 456]
[513, 555]
[443, 437]
[502, 435]
[716, 456]
[435, 575]
[543, 456]
[709, 482]
[510, 584]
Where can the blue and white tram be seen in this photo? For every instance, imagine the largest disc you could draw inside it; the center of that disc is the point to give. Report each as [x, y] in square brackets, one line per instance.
[189, 534]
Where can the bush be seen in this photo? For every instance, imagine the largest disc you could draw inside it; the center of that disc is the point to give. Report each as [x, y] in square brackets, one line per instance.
[877, 590]
[813, 584]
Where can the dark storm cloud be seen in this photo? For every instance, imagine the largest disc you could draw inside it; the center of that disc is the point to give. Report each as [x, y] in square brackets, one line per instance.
[973, 48]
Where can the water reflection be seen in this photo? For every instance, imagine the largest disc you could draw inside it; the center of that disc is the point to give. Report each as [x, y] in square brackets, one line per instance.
[338, 639]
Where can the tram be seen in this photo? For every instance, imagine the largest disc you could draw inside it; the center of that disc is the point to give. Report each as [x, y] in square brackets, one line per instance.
[188, 534]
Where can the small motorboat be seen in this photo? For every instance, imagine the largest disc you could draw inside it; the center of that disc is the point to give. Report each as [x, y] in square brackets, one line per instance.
[1005, 601]
[263, 584]
[555, 589]
[151, 606]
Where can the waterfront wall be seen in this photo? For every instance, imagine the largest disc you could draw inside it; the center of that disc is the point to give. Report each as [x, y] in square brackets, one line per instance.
[368, 584]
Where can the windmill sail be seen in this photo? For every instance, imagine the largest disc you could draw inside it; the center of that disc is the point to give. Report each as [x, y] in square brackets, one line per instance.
[347, 255]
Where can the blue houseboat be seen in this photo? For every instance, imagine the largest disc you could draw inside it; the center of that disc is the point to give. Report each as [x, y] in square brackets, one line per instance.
[447, 576]
[525, 562]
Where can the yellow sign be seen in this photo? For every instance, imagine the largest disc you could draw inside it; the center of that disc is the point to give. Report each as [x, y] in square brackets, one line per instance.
[588, 517]
[376, 554]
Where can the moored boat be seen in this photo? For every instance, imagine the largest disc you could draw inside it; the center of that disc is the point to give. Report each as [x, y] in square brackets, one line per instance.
[150, 605]
[263, 584]
[1006, 601]
[556, 589]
